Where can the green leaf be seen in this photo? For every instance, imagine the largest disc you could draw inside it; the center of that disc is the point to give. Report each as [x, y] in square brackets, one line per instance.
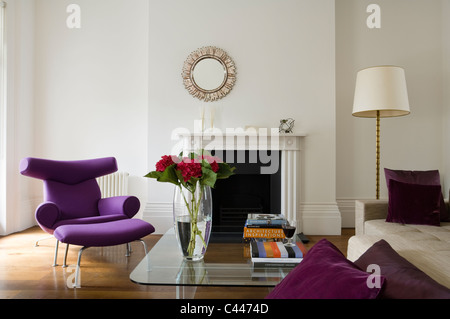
[153, 174]
[225, 171]
[208, 176]
[180, 178]
[168, 176]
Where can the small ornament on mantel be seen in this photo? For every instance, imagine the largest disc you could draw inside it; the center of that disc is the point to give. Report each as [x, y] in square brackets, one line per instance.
[286, 126]
[206, 118]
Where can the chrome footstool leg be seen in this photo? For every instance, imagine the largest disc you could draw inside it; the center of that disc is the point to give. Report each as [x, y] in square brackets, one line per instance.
[128, 253]
[65, 256]
[149, 268]
[145, 246]
[77, 283]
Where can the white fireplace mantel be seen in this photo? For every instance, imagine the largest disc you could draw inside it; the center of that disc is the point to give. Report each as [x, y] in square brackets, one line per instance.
[289, 144]
[239, 140]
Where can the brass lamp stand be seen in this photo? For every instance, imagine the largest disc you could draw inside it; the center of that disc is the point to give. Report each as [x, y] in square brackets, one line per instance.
[378, 156]
[380, 91]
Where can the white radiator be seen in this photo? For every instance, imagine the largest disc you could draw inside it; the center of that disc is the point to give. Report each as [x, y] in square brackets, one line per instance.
[115, 184]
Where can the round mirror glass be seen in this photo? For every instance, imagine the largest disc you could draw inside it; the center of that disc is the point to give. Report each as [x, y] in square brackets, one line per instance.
[209, 74]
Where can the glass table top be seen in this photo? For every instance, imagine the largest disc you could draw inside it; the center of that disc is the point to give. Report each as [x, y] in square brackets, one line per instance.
[224, 264]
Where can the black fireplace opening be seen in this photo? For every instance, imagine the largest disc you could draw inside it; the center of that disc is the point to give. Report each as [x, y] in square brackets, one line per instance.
[246, 192]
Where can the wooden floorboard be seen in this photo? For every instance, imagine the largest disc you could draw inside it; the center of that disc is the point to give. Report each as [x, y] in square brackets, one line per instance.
[26, 271]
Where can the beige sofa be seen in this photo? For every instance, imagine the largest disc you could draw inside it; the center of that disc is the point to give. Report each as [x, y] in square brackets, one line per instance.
[427, 247]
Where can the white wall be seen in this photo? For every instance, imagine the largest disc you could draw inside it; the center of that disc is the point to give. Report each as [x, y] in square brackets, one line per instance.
[284, 55]
[91, 84]
[446, 86]
[17, 198]
[411, 37]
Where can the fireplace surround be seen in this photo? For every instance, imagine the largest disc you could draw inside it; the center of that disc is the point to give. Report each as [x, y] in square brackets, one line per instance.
[264, 156]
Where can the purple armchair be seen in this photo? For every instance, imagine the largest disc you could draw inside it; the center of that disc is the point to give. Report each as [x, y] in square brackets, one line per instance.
[72, 195]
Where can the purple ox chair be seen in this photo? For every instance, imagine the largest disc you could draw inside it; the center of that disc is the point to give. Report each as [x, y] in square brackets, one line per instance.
[73, 210]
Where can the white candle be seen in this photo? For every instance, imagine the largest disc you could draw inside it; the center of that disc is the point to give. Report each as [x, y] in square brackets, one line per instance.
[202, 116]
[212, 116]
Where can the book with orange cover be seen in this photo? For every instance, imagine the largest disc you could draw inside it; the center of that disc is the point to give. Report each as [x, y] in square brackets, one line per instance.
[277, 252]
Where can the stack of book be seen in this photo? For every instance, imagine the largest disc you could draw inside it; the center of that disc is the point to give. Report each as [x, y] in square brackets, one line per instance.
[265, 234]
[264, 227]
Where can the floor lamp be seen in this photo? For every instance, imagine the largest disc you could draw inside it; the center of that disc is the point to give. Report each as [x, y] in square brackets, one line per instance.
[380, 91]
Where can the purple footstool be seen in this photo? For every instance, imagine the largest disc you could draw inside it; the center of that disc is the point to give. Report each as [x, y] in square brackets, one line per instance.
[103, 234]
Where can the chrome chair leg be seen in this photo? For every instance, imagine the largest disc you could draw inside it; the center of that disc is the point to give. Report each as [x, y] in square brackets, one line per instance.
[55, 258]
[36, 244]
[56, 254]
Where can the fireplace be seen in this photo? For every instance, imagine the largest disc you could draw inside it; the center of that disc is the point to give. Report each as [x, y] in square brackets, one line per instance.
[249, 191]
[282, 181]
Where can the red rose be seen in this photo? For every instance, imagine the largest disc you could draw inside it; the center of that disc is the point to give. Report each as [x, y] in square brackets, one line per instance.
[212, 160]
[165, 162]
[214, 167]
[190, 168]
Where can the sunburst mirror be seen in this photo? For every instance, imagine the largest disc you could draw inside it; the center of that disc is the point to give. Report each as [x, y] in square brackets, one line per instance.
[209, 73]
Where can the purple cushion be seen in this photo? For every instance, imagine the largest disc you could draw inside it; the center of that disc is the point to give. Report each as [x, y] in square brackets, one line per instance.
[119, 205]
[46, 215]
[414, 203]
[104, 234]
[414, 177]
[430, 177]
[74, 201]
[325, 273]
[67, 172]
[403, 280]
[89, 220]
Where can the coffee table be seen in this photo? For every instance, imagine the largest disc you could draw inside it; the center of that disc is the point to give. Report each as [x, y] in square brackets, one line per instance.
[223, 265]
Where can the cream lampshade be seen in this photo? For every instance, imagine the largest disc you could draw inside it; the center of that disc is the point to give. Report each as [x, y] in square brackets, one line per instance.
[380, 91]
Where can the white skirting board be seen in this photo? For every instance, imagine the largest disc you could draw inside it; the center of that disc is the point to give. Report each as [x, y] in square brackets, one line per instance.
[347, 209]
[320, 219]
[159, 215]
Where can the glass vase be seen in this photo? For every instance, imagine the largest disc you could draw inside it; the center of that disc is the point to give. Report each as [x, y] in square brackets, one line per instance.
[192, 217]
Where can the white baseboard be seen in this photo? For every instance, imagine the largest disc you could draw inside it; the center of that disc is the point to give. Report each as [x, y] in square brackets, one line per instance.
[159, 215]
[321, 219]
[347, 209]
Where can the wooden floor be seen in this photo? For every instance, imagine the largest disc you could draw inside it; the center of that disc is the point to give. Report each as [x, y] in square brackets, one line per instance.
[26, 271]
